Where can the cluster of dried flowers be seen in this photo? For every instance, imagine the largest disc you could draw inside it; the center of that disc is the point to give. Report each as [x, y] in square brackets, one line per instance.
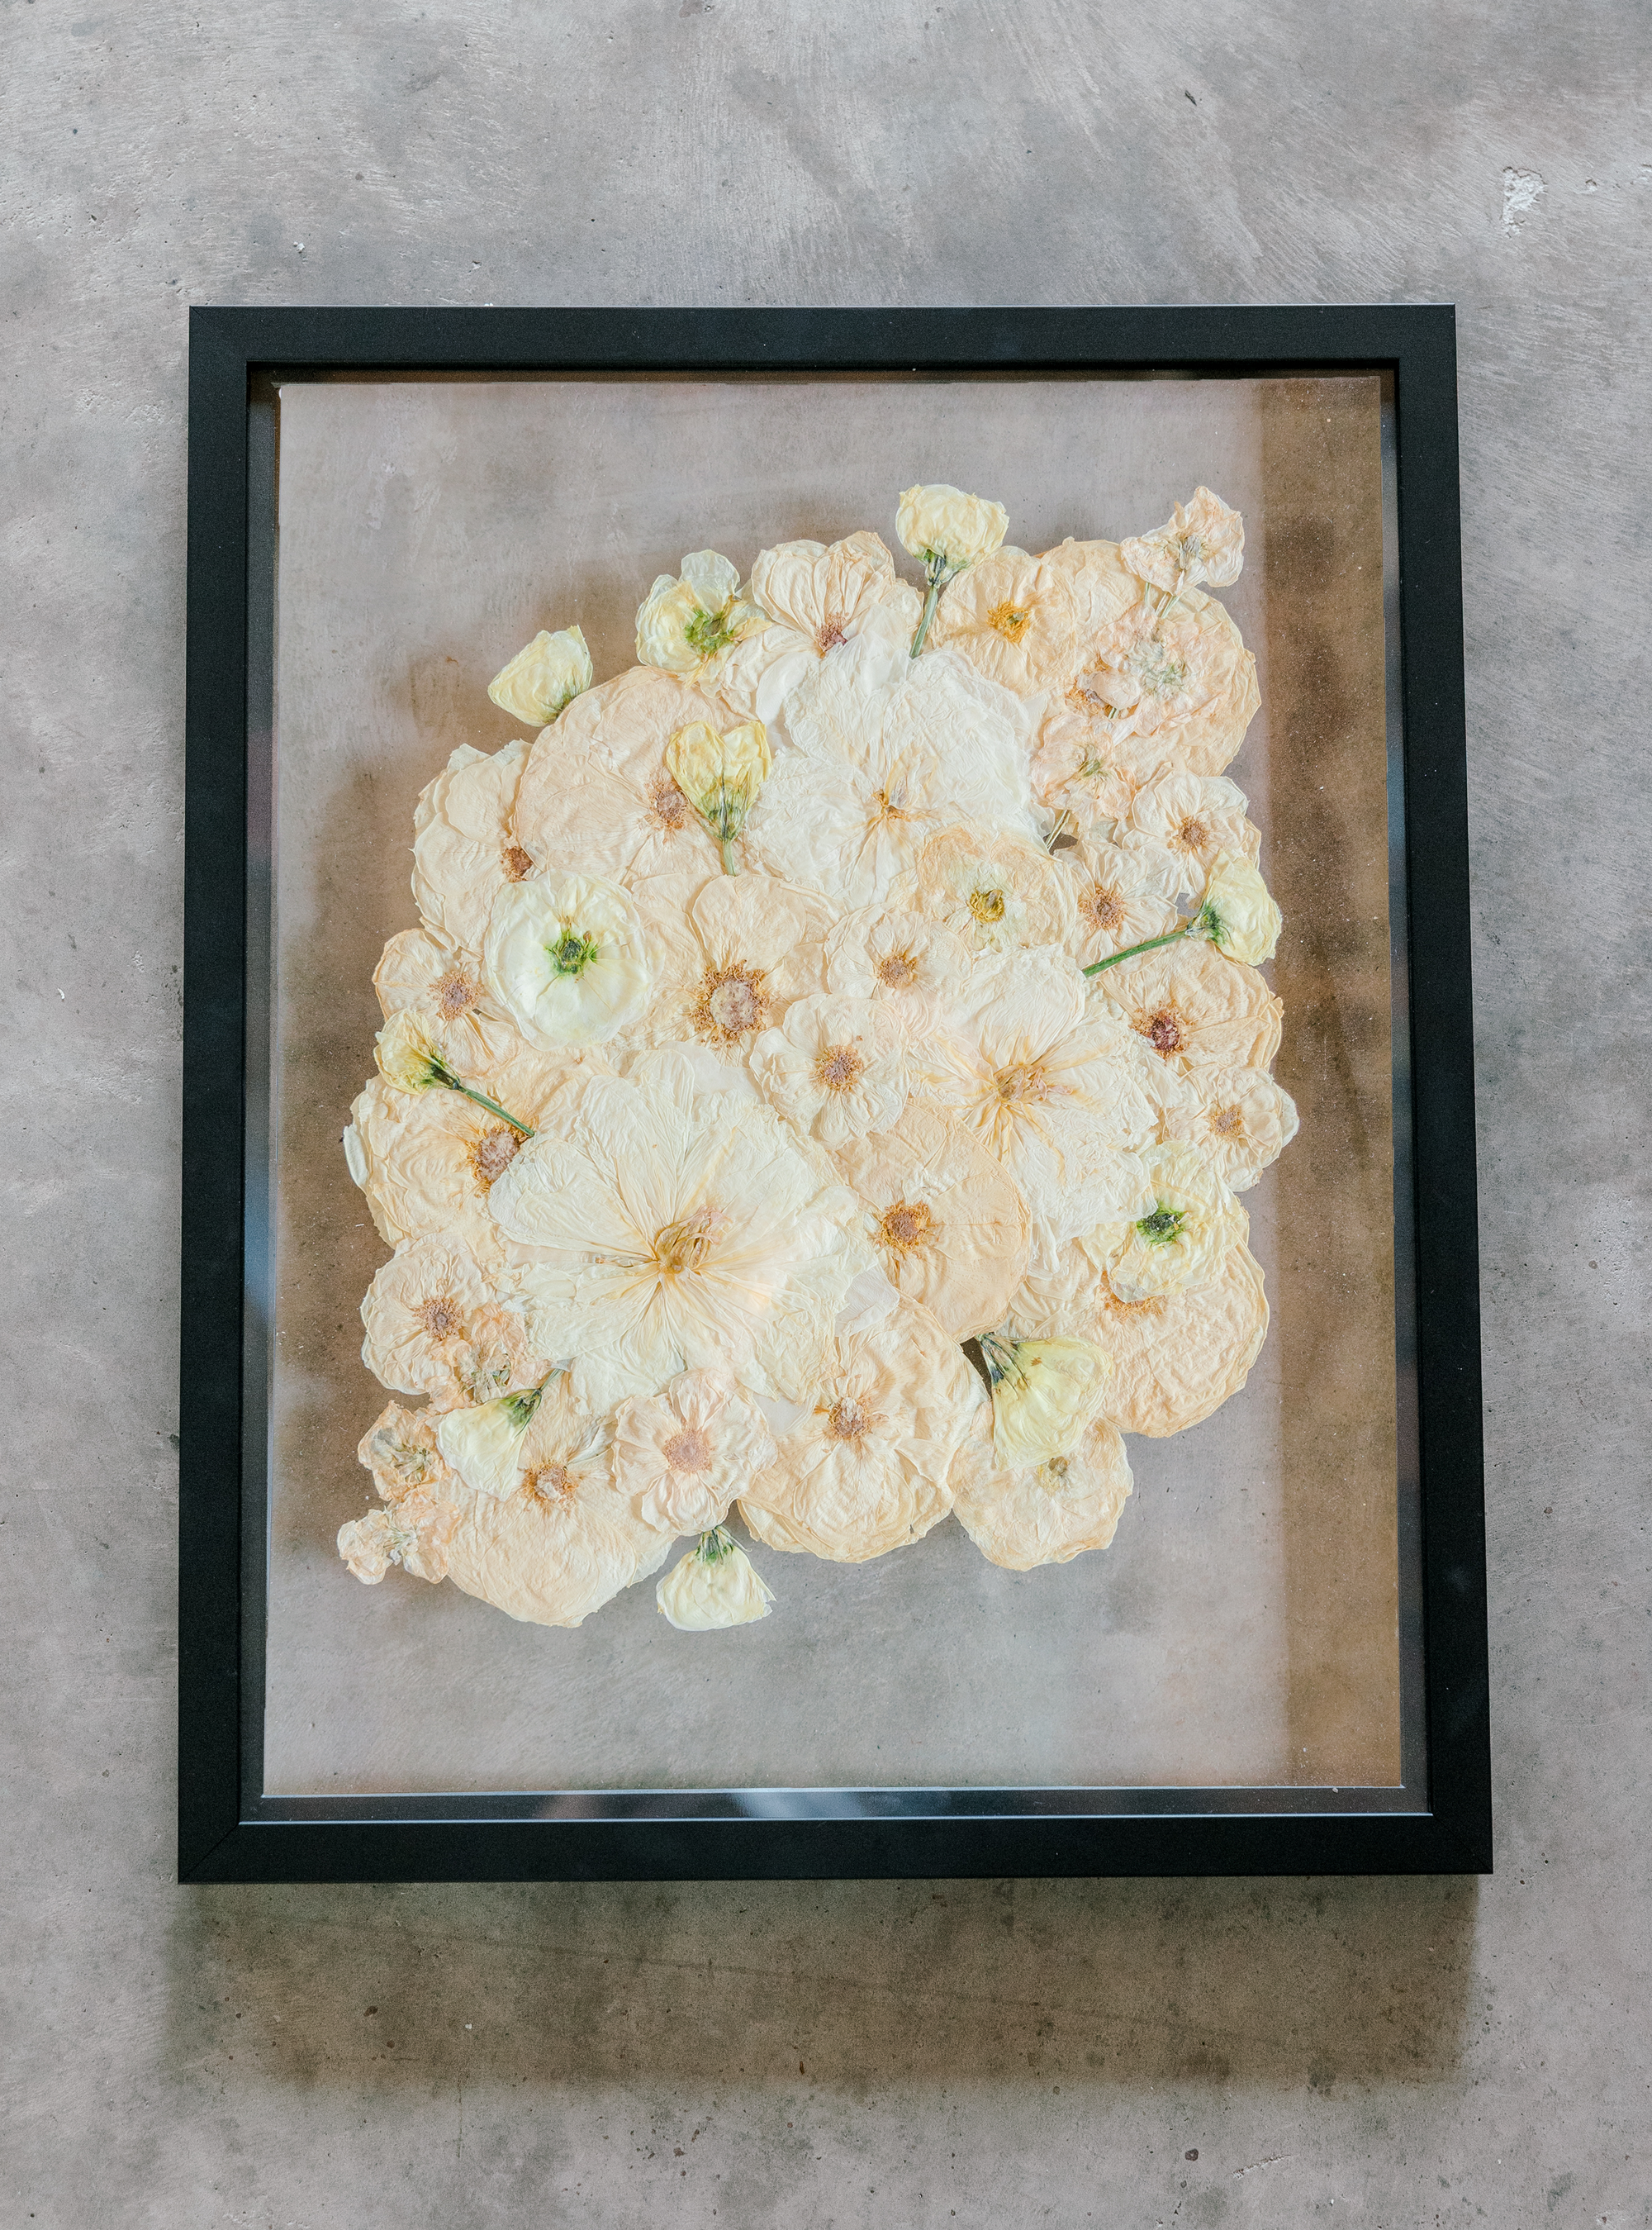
[862, 974]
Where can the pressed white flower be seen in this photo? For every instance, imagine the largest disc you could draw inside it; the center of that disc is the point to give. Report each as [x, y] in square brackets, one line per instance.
[1045, 1393]
[1173, 686]
[1196, 1008]
[731, 953]
[720, 774]
[1055, 1087]
[483, 1443]
[1124, 893]
[942, 522]
[372, 1544]
[442, 985]
[1014, 618]
[399, 1448]
[1237, 911]
[815, 599]
[864, 1469]
[1047, 1512]
[1184, 1237]
[466, 849]
[544, 1534]
[419, 1302]
[686, 618]
[681, 1456]
[833, 1066]
[715, 1584]
[995, 893]
[1243, 1122]
[540, 680]
[945, 1216]
[1201, 544]
[1196, 817]
[565, 954]
[676, 1230]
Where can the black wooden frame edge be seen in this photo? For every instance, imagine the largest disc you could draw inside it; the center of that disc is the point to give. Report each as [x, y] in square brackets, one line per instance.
[1417, 343]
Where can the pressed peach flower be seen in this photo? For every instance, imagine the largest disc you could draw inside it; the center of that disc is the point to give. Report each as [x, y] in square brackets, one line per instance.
[816, 599]
[715, 1585]
[1046, 1512]
[731, 953]
[545, 1535]
[995, 893]
[1182, 1240]
[621, 727]
[833, 1066]
[1014, 618]
[1124, 893]
[911, 968]
[946, 1217]
[421, 972]
[539, 680]
[681, 1456]
[414, 1534]
[1045, 1393]
[566, 956]
[675, 1229]
[399, 1448]
[1195, 1008]
[421, 1301]
[687, 619]
[465, 844]
[1176, 685]
[864, 1469]
[1202, 545]
[1242, 1121]
[1197, 817]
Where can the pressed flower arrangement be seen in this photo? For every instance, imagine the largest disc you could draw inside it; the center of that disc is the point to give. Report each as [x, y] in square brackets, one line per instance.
[819, 1090]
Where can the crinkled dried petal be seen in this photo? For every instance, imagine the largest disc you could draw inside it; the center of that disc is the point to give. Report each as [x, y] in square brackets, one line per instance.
[681, 1457]
[1202, 541]
[442, 985]
[1242, 1120]
[1175, 684]
[1195, 1008]
[549, 673]
[1045, 1393]
[1045, 1513]
[399, 1448]
[706, 1591]
[1177, 1359]
[1124, 893]
[731, 953]
[1197, 817]
[1184, 1236]
[598, 822]
[419, 1300]
[465, 845]
[1239, 912]
[1015, 619]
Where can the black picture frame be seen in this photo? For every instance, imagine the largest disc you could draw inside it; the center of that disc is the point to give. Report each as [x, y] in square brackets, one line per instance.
[225, 1833]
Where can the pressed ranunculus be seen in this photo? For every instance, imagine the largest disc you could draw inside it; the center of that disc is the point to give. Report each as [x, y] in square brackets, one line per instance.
[1201, 544]
[1014, 618]
[680, 1457]
[1176, 685]
[1124, 893]
[814, 599]
[1237, 911]
[566, 956]
[1045, 1392]
[1194, 1008]
[465, 846]
[834, 1067]
[1196, 817]
[938, 521]
[443, 986]
[995, 893]
[1243, 1122]
[720, 773]
[420, 1301]
[1047, 1512]
[715, 1585]
[540, 680]
[913, 967]
[1182, 1238]
[399, 1448]
[731, 953]
[687, 618]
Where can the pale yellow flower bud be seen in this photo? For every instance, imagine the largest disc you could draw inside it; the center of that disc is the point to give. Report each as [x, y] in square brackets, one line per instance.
[1044, 1394]
[942, 522]
[539, 680]
[484, 1443]
[1240, 916]
[720, 774]
[715, 1585]
[407, 1054]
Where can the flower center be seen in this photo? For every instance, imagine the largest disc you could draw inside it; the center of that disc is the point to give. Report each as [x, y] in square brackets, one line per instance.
[667, 803]
[516, 863]
[572, 954]
[711, 632]
[689, 1450]
[732, 1001]
[1227, 1122]
[897, 971]
[986, 904]
[456, 994]
[1158, 672]
[1021, 1085]
[1165, 1031]
[839, 1068]
[1102, 908]
[442, 1316]
[551, 1483]
[829, 637]
[492, 1155]
[683, 1245]
[1012, 621]
[1192, 835]
[1162, 1226]
[847, 1421]
[1053, 1475]
[906, 1225]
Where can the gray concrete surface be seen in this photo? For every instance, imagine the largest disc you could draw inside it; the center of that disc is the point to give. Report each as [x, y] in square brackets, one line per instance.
[1393, 2054]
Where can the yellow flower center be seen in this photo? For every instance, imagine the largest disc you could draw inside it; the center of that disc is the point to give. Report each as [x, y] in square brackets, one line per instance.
[516, 863]
[442, 1316]
[897, 971]
[551, 1484]
[732, 1002]
[1022, 1086]
[1102, 909]
[839, 1068]
[689, 1450]
[1227, 1122]
[987, 906]
[906, 1225]
[1192, 835]
[684, 1245]
[492, 1155]
[829, 637]
[1011, 621]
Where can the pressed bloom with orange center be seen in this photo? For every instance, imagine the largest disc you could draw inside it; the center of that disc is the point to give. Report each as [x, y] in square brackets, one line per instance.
[1013, 617]
[681, 1456]
[418, 1301]
[732, 952]
[835, 1067]
[1195, 1008]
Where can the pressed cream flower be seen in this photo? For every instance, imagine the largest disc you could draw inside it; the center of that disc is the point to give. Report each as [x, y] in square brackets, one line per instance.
[611, 824]
[621, 727]
[1046, 1512]
[816, 599]
[1045, 1393]
[947, 530]
[1124, 893]
[399, 1448]
[676, 1230]
[715, 1585]
[466, 849]
[483, 1443]
[1014, 618]
[565, 954]
[994, 892]
[420, 1301]
[686, 618]
[1243, 1122]
[721, 775]
[864, 1469]
[1184, 1237]
[1237, 912]
[1202, 545]
[912, 967]
[372, 1544]
[1196, 1008]
[681, 1456]
[1196, 817]
[946, 1217]
[732, 953]
[1176, 685]
[833, 1066]
[442, 985]
[539, 680]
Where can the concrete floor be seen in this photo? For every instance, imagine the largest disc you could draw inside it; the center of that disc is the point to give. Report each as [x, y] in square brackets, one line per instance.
[1396, 2053]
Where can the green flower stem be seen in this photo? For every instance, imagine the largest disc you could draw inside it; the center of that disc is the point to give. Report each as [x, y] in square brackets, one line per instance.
[1147, 945]
[445, 1077]
[725, 845]
[940, 574]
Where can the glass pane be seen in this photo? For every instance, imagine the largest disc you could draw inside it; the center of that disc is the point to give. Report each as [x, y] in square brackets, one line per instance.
[1248, 1628]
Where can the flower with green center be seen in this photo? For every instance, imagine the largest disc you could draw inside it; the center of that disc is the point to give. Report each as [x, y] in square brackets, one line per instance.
[540, 680]
[715, 1584]
[1045, 1393]
[688, 619]
[1185, 1235]
[721, 775]
[566, 955]
[948, 531]
[1238, 915]
[1201, 546]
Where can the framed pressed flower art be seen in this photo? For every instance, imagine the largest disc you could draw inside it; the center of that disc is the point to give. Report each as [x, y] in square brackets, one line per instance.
[829, 1218]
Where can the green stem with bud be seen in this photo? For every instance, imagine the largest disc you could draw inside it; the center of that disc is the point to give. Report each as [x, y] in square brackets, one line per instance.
[445, 1077]
[939, 574]
[1200, 924]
